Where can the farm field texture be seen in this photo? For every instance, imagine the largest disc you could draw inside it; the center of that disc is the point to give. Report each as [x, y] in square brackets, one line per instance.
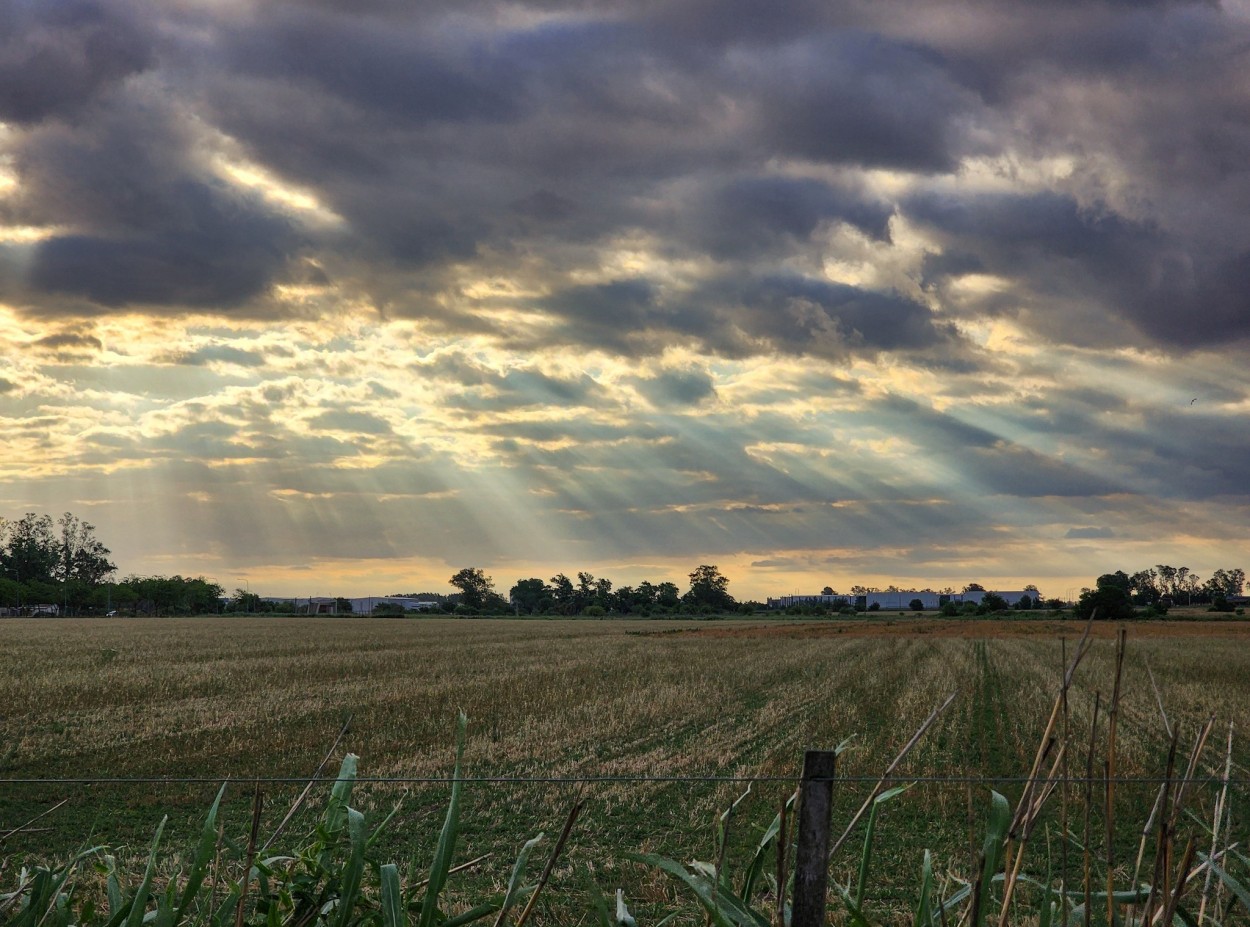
[218, 698]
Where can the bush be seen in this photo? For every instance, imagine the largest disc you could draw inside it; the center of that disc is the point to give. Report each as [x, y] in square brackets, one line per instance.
[463, 610]
[874, 607]
[993, 602]
[916, 605]
[950, 610]
[846, 610]
[1221, 604]
[594, 611]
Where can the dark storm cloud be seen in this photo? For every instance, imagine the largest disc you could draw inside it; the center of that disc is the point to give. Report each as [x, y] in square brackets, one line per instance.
[58, 56]
[678, 387]
[863, 99]
[746, 216]
[1055, 250]
[739, 317]
[147, 223]
[220, 353]
[70, 342]
[466, 139]
[985, 459]
[408, 73]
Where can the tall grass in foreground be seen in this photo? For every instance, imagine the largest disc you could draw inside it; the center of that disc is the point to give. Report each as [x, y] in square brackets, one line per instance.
[1194, 876]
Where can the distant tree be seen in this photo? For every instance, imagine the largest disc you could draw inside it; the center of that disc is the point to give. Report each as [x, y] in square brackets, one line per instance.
[81, 556]
[603, 593]
[708, 586]
[1167, 579]
[28, 549]
[916, 605]
[667, 595]
[1226, 583]
[828, 590]
[10, 593]
[174, 595]
[343, 606]
[564, 594]
[950, 610]
[993, 602]
[974, 587]
[585, 590]
[474, 585]
[1143, 587]
[1109, 600]
[528, 593]
[645, 595]
[1026, 603]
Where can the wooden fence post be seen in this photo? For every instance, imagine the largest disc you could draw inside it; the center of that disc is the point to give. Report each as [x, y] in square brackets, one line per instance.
[811, 863]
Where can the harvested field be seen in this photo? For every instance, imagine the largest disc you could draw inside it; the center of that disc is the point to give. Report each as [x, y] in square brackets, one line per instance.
[218, 698]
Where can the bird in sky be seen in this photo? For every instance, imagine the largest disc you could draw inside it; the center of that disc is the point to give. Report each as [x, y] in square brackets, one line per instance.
[1192, 401]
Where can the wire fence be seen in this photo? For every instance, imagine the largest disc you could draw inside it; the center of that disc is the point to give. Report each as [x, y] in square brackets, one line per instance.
[960, 779]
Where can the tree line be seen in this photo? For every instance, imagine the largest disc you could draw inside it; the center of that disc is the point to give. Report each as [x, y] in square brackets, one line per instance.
[63, 565]
[708, 592]
[1157, 589]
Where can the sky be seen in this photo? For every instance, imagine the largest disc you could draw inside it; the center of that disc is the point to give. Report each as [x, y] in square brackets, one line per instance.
[337, 298]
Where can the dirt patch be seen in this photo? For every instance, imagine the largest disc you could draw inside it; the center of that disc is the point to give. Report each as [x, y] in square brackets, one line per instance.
[972, 630]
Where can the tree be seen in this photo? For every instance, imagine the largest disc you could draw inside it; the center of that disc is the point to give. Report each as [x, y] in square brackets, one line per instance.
[28, 552]
[475, 587]
[1226, 583]
[564, 594]
[828, 590]
[1144, 587]
[527, 594]
[708, 586]
[974, 587]
[603, 593]
[1109, 600]
[993, 602]
[81, 556]
[916, 605]
[585, 590]
[666, 594]
[1167, 579]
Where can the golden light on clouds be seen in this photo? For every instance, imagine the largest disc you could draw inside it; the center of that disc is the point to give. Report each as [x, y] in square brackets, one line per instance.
[916, 300]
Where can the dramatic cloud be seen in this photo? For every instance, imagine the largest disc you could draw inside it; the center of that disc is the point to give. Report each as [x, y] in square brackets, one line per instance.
[819, 291]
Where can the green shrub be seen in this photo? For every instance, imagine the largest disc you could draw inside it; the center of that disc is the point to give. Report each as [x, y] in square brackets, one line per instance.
[950, 610]
[594, 611]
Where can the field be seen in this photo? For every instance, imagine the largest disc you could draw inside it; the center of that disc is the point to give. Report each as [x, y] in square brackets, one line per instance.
[240, 699]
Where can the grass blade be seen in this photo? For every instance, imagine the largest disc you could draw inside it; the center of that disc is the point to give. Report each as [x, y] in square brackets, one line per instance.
[514, 883]
[203, 855]
[446, 845]
[393, 912]
[924, 907]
